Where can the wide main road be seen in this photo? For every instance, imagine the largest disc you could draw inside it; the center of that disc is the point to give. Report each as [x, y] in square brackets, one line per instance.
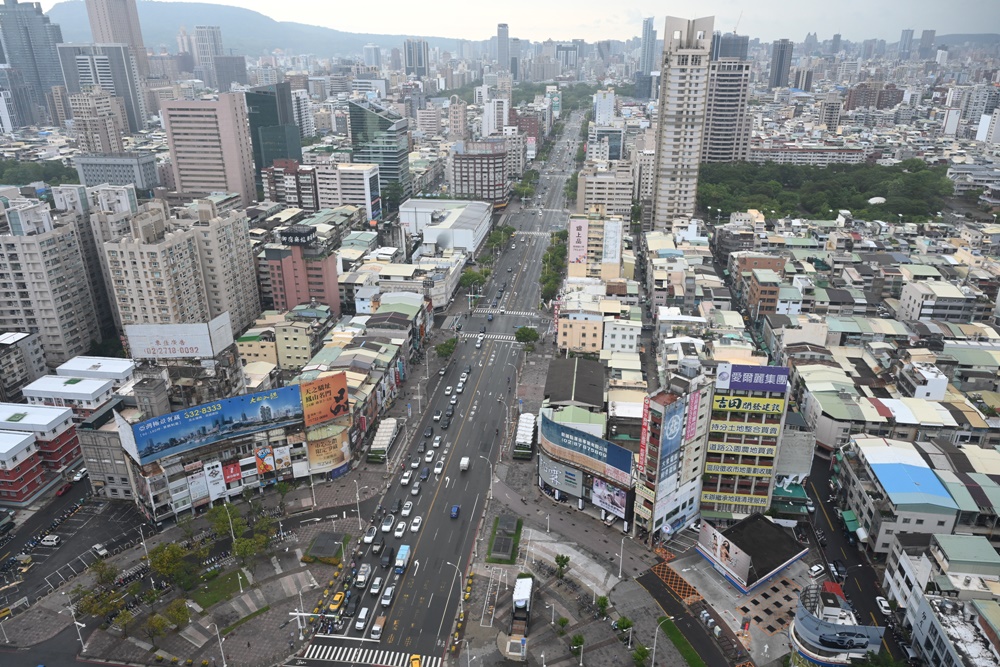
[427, 598]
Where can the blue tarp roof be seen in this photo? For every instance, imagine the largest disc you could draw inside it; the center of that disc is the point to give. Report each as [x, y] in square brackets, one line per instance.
[913, 485]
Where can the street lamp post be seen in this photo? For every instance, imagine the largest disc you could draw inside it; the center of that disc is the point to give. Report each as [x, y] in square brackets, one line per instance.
[490, 464]
[298, 619]
[357, 498]
[547, 522]
[461, 603]
[506, 417]
[621, 559]
[72, 610]
[146, 551]
[221, 651]
[232, 533]
[593, 588]
[553, 608]
[579, 646]
[239, 579]
[527, 552]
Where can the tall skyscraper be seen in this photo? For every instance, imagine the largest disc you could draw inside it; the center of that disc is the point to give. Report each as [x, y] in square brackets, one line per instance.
[373, 56]
[207, 45]
[905, 44]
[730, 45]
[503, 47]
[230, 70]
[28, 44]
[273, 132]
[727, 118]
[781, 63]
[926, 49]
[604, 106]
[458, 123]
[416, 57]
[680, 122]
[112, 67]
[117, 22]
[210, 146]
[381, 136]
[647, 50]
[835, 44]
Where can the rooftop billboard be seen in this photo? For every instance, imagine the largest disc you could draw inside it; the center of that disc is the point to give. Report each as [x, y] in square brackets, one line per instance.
[739, 377]
[602, 458]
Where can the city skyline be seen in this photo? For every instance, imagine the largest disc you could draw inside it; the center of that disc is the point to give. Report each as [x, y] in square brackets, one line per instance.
[767, 20]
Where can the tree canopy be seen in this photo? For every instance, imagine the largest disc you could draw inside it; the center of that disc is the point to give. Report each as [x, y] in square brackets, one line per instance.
[911, 189]
[53, 172]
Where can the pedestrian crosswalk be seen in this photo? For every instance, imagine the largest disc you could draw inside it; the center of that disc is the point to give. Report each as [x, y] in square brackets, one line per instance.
[545, 234]
[496, 311]
[366, 656]
[492, 336]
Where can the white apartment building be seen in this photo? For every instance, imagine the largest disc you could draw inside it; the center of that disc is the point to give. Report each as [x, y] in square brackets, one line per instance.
[604, 106]
[44, 284]
[608, 184]
[354, 184]
[302, 113]
[681, 117]
[495, 115]
[727, 120]
[429, 121]
[643, 174]
[621, 335]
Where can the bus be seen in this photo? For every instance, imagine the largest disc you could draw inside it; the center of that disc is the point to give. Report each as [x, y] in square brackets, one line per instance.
[385, 438]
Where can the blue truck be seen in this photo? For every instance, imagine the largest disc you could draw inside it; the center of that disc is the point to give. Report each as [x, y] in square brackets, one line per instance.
[402, 559]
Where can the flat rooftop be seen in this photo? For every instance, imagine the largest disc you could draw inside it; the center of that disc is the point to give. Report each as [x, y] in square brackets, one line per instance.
[97, 367]
[22, 417]
[69, 388]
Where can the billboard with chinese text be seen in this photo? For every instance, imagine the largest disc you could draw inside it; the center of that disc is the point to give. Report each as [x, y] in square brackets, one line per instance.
[216, 480]
[643, 437]
[211, 422]
[744, 428]
[730, 403]
[693, 408]
[578, 229]
[612, 250]
[324, 399]
[328, 447]
[738, 377]
[597, 455]
[671, 431]
[560, 476]
[179, 341]
[264, 456]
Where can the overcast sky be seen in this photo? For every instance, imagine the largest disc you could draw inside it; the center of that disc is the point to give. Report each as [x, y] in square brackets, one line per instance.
[593, 20]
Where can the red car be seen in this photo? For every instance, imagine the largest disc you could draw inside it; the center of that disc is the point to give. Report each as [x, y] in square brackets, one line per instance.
[64, 489]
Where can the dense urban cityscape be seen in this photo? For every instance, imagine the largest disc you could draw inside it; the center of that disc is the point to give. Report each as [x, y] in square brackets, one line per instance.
[729, 305]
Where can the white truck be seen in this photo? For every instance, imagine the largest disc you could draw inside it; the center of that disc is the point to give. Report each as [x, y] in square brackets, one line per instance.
[364, 572]
[463, 465]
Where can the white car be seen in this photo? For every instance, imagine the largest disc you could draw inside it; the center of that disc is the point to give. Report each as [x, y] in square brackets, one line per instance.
[437, 416]
[460, 387]
[400, 529]
[407, 508]
[370, 535]
[405, 479]
[376, 586]
[429, 456]
[816, 571]
[387, 523]
[439, 467]
[416, 489]
[883, 606]
[447, 390]
[80, 474]
[453, 400]
[437, 441]
[464, 376]
[415, 524]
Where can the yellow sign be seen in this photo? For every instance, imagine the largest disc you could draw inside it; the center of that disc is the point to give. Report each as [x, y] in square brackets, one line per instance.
[774, 406]
[739, 469]
[734, 498]
[749, 450]
[742, 428]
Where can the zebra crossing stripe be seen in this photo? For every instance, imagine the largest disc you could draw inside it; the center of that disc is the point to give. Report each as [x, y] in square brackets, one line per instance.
[362, 656]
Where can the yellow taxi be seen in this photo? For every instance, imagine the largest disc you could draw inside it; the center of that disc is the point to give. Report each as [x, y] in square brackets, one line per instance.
[337, 601]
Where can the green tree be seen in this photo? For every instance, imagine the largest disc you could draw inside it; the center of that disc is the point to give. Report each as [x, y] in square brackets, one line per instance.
[624, 622]
[177, 613]
[562, 621]
[155, 626]
[167, 560]
[186, 524]
[640, 655]
[526, 335]
[576, 644]
[570, 188]
[392, 197]
[562, 563]
[283, 489]
[495, 240]
[219, 518]
[124, 617]
[447, 348]
[602, 605]
[507, 231]
[249, 550]
[104, 572]
[471, 278]
[100, 603]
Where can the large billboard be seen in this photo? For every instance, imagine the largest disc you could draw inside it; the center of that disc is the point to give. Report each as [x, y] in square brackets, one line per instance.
[719, 549]
[216, 480]
[578, 240]
[745, 428]
[644, 437]
[328, 447]
[602, 458]
[559, 476]
[179, 341]
[325, 399]
[670, 447]
[693, 409]
[211, 422]
[738, 377]
[264, 456]
[821, 637]
[728, 402]
[609, 497]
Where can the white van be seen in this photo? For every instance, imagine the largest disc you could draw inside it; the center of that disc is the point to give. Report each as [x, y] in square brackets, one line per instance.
[377, 628]
[362, 621]
[51, 541]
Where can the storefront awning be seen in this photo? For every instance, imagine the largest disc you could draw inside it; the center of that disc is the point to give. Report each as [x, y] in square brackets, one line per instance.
[836, 468]
[839, 455]
[861, 533]
[709, 514]
[850, 520]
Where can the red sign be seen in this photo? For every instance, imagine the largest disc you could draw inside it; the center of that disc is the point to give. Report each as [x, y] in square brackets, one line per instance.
[644, 438]
[231, 472]
[693, 406]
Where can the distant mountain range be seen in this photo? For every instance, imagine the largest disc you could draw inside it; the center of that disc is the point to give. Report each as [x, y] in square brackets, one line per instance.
[244, 32]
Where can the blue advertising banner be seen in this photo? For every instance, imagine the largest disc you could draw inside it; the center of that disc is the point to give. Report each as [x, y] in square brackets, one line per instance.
[670, 447]
[588, 451]
[208, 423]
[751, 378]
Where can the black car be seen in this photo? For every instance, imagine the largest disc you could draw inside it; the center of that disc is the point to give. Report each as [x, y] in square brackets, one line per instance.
[378, 544]
[468, 369]
[387, 557]
[450, 412]
[445, 423]
[429, 432]
[422, 447]
[425, 473]
[352, 606]
[397, 506]
[839, 568]
[482, 329]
